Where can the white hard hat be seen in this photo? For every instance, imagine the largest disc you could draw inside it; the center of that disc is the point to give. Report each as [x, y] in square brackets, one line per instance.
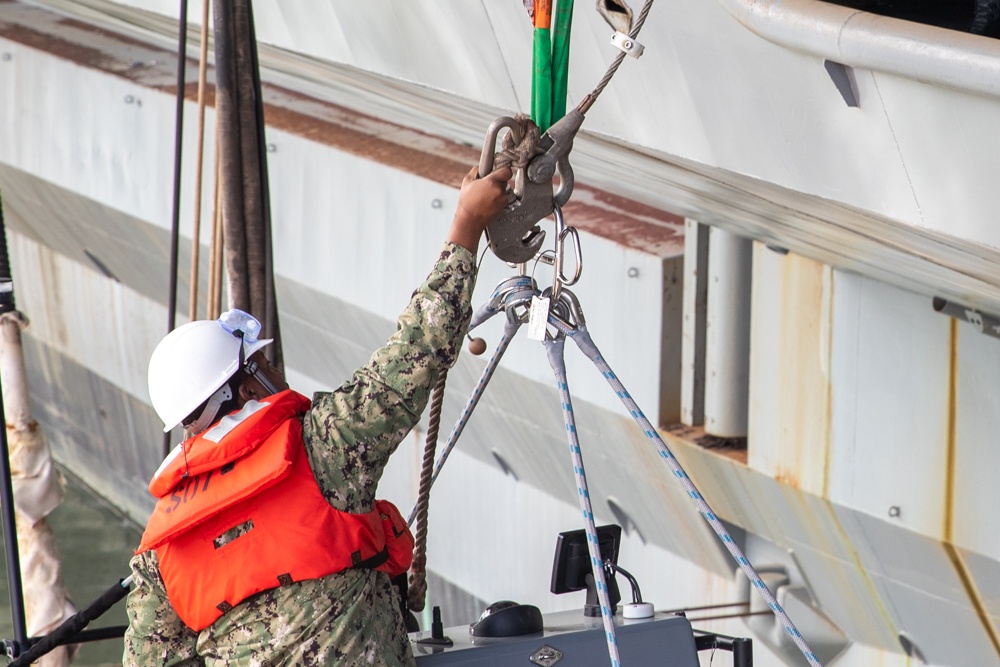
[195, 359]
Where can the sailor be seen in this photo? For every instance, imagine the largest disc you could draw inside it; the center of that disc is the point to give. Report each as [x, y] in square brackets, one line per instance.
[267, 545]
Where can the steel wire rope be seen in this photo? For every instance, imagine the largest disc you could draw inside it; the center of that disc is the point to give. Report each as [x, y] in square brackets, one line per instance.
[555, 349]
[582, 338]
[428, 475]
[589, 100]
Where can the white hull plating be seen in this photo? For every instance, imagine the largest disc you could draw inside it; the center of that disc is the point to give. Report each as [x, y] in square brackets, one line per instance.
[866, 491]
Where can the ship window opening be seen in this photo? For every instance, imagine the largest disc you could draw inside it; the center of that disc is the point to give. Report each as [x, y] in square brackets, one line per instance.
[980, 17]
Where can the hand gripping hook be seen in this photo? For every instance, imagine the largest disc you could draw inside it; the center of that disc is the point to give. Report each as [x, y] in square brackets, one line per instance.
[514, 236]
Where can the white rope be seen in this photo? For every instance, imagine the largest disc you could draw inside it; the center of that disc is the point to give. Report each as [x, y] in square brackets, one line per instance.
[583, 340]
[508, 296]
[555, 348]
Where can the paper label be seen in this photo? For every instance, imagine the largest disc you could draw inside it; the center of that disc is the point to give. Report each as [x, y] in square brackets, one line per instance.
[538, 318]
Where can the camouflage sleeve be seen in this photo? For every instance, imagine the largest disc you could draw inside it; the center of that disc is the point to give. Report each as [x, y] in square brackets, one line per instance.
[351, 432]
[156, 637]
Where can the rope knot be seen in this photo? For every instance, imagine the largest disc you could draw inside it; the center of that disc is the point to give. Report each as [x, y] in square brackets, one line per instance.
[515, 153]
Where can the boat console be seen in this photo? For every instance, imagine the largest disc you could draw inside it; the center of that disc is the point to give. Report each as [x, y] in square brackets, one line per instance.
[508, 633]
[566, 638]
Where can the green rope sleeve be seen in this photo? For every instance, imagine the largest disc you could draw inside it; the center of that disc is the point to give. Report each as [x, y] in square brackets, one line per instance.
[560, 57]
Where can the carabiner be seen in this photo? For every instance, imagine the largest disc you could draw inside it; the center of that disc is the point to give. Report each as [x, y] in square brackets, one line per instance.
[557, 260]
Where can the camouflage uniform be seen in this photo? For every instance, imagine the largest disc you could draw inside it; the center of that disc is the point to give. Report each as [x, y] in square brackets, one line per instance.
[351, 617]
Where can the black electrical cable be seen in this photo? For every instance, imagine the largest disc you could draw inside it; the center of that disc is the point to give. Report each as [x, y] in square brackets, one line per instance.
[614, 569]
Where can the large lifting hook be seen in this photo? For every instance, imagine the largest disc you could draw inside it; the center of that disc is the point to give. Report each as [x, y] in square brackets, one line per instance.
[515, 236]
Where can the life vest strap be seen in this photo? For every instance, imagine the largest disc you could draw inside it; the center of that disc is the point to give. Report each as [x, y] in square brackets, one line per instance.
[369, 563]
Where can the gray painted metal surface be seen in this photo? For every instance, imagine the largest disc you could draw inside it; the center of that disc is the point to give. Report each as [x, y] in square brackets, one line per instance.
[662, 640]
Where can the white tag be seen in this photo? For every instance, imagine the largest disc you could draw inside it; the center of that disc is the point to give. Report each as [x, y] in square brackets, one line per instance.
[538, 318]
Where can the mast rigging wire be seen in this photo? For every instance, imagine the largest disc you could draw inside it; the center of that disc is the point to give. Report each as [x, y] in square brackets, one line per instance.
[199, 162]
[175, 224]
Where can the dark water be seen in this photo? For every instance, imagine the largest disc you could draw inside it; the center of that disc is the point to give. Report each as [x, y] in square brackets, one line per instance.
[95, 544]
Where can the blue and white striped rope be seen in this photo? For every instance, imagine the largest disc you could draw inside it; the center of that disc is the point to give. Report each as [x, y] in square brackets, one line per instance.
[554, 348]
[516, 291]
[583, 340]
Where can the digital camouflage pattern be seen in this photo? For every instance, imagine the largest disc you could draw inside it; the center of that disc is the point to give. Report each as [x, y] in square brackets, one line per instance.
[352, 617]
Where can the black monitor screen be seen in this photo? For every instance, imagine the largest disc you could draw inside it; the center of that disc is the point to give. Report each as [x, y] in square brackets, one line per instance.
[572, 560]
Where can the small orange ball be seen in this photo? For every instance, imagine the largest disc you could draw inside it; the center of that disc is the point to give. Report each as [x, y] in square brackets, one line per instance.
[477, 346]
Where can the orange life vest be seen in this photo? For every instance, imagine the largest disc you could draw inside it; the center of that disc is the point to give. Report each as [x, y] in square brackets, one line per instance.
[240, 512]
